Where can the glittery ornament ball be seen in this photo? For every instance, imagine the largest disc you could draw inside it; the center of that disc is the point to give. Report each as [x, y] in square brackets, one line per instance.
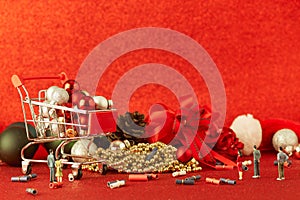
[50, 91]
[117, 145]
[284, 138]
[83, 148]
[60, 96]
[71, 86]
[102, 103]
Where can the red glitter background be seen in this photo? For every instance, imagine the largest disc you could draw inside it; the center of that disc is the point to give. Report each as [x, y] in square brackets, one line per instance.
[255, 46]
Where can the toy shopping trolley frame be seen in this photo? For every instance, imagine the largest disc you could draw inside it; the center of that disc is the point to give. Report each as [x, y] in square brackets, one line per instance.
[56, 122]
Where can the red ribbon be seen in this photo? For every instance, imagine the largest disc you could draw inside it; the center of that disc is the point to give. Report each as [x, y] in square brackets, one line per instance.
[193, 128]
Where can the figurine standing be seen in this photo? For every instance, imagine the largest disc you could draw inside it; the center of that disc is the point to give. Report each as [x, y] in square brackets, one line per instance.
[51, 165]
[239, 163]
[281, 158]
[58, 174]
[256, 160]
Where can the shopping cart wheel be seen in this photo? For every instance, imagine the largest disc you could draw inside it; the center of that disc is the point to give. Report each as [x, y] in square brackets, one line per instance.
[65, 166]
[102, 168]
[77, 173]
[26, 168]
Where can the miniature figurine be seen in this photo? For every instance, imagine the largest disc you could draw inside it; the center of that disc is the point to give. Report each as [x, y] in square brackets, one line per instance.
[239, 163]
[51, 165]
[256, 160]
[58, 174]
[281, 157]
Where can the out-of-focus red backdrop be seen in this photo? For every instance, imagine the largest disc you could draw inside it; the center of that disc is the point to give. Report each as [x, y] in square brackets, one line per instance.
[254, 45]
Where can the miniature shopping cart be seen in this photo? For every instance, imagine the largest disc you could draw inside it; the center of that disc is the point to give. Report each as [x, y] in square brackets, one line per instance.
[56, 122]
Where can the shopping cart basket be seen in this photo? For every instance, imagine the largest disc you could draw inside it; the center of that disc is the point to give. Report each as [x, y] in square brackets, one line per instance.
[57, 122]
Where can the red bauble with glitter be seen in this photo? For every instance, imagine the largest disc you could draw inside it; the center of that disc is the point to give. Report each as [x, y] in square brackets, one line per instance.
[184, 154]
[71, 86]
[76, 97]
[84, 119]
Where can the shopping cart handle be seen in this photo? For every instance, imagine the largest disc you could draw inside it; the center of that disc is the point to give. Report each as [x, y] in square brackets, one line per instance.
[16, 81]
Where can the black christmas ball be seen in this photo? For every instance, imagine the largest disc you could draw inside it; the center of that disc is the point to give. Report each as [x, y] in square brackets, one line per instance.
[22, 125]
[53, 145]
[12, 140]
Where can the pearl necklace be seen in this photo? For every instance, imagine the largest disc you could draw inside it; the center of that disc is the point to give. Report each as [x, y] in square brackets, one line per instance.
[143, 158]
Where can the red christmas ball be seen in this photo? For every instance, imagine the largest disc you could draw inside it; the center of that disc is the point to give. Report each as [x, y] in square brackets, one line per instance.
[84, 119]
[184, 154]
[87, 103]
[76, 96]
[71, 86]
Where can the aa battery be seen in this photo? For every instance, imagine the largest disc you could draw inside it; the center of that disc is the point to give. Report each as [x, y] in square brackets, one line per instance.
[245, 168]
[31, 176]
[287, 163]
[55, 185]
[185, 182]
[31, 191]
[197, 177]
[19, 178]
[247, 162]
[213, 181]
[71, 177]
[178, 173]
[115, 184]
[227, 181]
[142, 177]
[23, 178]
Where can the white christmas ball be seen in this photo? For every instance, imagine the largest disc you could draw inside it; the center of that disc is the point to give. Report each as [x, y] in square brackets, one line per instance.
[284, 138]
[102, 103]
[84, 148]
[56, 126]
[44, 111]
[50, 91]
[248, 130]
[60, 96]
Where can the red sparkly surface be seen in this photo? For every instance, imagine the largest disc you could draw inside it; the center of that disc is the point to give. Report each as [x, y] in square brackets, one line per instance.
[94, 186]
[255, 46]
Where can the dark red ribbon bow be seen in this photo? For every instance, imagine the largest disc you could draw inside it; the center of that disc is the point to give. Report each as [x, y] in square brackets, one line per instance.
[192, 128]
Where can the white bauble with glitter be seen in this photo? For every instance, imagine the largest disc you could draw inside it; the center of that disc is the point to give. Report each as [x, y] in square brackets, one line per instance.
[248, 130]
[44, 110]
[60, 96]
[83, 148]
[284, 138]
[50, 91]
[56, 126]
